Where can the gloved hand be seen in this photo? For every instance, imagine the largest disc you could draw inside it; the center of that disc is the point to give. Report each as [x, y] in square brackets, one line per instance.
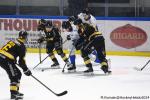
[40, 40]
[68, 37]
[58, 45]
[27, 72]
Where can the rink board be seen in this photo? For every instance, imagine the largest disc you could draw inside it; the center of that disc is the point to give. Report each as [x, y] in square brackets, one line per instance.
[123, 35]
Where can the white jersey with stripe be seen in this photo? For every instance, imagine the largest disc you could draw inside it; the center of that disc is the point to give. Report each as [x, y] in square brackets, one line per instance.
[91, 21]
[74, 33]
[74, 37]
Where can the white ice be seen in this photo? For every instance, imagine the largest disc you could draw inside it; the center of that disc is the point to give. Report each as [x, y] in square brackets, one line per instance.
[124, 81]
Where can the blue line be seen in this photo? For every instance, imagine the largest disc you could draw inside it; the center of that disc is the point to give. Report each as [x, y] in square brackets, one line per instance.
[65, 17]
[125, 18]
[33, 17]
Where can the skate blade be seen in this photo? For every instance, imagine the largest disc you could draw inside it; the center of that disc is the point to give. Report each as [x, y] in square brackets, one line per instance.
[89, 74]
[17, 99]
[69, 66]
[56, 67]
[108, 73]
[71, 71]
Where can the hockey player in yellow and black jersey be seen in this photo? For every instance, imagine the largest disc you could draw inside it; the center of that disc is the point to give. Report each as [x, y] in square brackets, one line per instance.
[92, 38]
[8, 60]
[53, 41]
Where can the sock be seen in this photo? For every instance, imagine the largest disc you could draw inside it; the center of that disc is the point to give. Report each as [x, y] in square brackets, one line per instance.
[72, 59]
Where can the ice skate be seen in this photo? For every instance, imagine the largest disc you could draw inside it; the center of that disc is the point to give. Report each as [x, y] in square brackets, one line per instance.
[105, 69]
[69, 64]
[89, 71]
[108, 73]
[72, 69]
[55, 66]
[18, 96]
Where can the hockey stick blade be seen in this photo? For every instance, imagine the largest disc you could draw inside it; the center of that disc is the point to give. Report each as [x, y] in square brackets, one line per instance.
[138, 69]
[63, 70]
[63, 93]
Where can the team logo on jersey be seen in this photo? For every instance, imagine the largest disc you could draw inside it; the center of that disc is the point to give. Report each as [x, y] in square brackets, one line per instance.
[128, 36]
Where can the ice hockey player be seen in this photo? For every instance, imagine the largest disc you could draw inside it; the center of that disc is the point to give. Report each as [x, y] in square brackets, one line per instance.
[93, 39]
[8, 61]
[72, 36]
[88, 18]
[53, 41]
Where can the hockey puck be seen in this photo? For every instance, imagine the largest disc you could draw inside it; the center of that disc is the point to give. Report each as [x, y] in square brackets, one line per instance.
[42, 70]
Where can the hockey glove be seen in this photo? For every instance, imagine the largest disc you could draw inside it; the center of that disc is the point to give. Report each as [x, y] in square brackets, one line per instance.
[58, 45]
[27, 72]
[68, 37]
[40, 40]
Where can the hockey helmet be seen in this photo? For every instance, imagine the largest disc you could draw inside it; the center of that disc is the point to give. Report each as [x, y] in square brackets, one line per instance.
[23, 34]
[77, 22]
[86, 11]
[72, 18]
[48, 24]
[42, 21]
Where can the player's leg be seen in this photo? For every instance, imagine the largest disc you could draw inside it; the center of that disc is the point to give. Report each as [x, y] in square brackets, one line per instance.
[100, 48]
[93, 56]
[87, 61]
[15, 82]
[14, 75]
[72, 57]
[63, 56]
[50, 51]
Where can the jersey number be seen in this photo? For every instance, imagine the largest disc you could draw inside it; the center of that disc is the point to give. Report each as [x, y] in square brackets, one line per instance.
[8, 46]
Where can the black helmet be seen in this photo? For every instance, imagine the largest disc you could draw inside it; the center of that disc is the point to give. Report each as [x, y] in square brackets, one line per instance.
[23, 34]
[64, 24]
[86, 11]
[49, 24]
[42, 21]
[72, 18]
[77, 22]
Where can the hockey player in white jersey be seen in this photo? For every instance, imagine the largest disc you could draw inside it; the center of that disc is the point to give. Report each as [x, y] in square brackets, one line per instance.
[72, 36]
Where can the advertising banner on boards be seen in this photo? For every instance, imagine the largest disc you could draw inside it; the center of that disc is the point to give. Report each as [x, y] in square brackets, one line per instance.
[120, 35]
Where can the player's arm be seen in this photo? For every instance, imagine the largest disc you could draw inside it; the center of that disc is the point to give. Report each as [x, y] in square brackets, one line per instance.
[41, 39]
[22, 62]
[57, 36]
[93, 22]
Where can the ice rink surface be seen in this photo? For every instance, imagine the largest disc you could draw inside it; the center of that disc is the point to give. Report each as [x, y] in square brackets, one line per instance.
[124, 80]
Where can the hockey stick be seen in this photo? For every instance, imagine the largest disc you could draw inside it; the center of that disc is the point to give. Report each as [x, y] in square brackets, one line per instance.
[40, 52]
[40, 49]
[41, 61]
[57, 94]
[140, 69]
[45, 58]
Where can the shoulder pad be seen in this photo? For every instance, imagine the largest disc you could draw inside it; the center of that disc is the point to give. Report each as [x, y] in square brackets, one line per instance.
[17, 42]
